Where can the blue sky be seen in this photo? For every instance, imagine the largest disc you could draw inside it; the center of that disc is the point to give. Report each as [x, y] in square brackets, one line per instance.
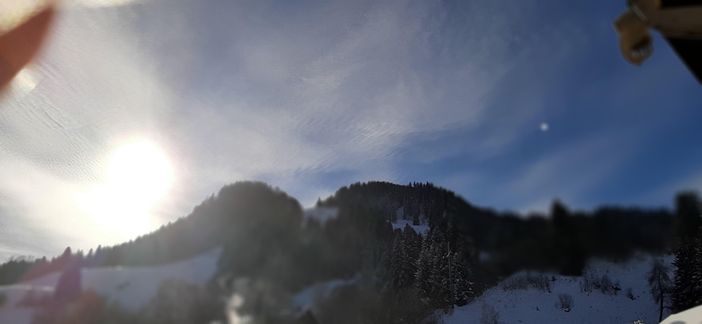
[313, 95]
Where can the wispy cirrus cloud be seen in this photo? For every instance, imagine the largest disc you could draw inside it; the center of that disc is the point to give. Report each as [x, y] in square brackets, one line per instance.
[318, 94]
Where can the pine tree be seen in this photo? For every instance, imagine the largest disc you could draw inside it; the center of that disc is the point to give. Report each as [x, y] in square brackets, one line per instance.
[696, 273]
[400, 262]
[392, 260]
[442, 277]
[660, 283]
[683, 279]
[408, 256]
[687, 289]
[455, 288]
[426, 274]
[462, 286]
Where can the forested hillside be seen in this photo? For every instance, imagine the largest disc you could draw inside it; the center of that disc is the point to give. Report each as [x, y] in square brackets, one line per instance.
[398, 271]
[560, 241]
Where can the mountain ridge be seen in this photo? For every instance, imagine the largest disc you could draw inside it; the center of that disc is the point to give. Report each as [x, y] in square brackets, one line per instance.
[437, 205]
[271, 249]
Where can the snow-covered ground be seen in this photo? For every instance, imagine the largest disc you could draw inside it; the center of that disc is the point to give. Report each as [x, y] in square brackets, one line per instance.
[401, 219]
[131, 287]
[421, 229]
[306, 298]
[535, 306]
[690, 316]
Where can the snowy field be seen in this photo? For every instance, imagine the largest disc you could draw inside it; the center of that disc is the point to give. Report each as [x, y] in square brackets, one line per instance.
[131, 287]
[305, 299]
[536, 306]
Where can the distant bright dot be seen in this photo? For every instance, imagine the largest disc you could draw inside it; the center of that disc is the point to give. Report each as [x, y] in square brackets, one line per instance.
[543, 127]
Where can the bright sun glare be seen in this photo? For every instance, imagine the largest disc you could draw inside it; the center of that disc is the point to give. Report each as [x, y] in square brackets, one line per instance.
[137, 176]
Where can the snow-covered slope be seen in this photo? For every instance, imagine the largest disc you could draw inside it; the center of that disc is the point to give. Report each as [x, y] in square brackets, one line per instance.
[421, 229]
[131, 287]
[306, 298]
[402, 219]
[536, 306]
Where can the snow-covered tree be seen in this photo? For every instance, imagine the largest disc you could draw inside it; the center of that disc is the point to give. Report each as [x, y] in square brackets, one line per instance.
[401, 259]
[442, 275]
[687, 288]
[426, 274]
[458, 288]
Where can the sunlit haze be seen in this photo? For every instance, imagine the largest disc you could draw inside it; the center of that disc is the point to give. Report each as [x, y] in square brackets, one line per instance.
[137, 176]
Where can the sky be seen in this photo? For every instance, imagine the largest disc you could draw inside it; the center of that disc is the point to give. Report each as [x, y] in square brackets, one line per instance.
[511, 104]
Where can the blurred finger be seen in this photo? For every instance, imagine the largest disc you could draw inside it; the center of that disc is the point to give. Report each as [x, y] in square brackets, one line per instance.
[21, 36]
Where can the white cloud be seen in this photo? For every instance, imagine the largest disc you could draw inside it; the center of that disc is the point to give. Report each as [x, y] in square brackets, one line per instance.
[36, 201]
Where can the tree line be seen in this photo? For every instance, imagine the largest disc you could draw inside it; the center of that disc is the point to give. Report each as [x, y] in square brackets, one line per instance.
[270, 251]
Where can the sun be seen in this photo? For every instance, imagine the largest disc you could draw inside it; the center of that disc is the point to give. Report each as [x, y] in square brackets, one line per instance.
[139, 172]
[136, 177]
